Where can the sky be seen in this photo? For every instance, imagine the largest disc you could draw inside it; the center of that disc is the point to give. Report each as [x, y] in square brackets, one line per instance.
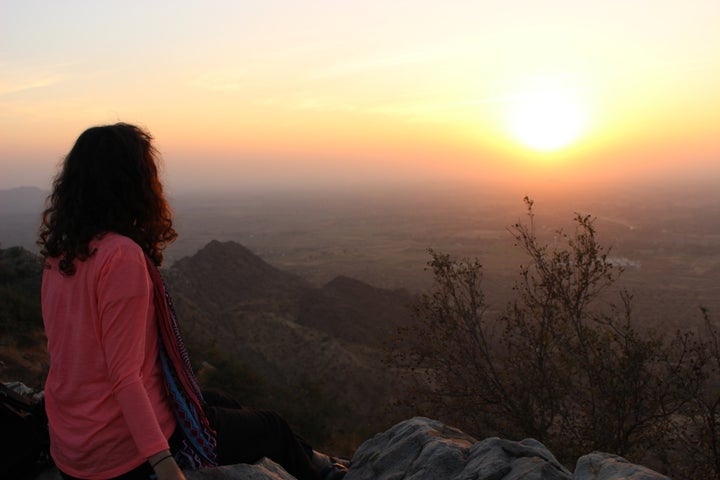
[281, 93]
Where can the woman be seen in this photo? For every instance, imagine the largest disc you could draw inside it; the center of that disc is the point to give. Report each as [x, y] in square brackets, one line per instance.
[120, 395]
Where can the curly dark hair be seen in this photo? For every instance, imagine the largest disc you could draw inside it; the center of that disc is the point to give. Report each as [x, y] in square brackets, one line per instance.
[108, 183]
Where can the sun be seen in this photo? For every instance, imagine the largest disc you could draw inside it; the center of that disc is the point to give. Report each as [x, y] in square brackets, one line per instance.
[547, 121]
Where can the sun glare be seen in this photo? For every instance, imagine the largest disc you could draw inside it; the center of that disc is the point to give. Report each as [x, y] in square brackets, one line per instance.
[547, 121]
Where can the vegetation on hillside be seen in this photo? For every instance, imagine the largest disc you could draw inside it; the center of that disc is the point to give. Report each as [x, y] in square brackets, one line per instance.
[566, 361]
[20, 274]
[307, 405]
[22, 341]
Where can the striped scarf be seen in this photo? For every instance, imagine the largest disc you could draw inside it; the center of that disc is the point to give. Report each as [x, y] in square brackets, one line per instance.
[199, 448]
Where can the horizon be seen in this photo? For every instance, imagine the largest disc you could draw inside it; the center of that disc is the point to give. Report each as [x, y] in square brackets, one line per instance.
[657, 189]
[319, 95]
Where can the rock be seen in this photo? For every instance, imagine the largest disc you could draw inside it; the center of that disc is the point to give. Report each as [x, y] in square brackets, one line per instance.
[606, 466]
[263, 470]
[424, 449]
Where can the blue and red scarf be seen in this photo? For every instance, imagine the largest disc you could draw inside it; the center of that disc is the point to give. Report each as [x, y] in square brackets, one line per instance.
[199, 445]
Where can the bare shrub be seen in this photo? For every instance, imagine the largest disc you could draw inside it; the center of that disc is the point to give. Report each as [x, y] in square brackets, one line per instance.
[564, 362]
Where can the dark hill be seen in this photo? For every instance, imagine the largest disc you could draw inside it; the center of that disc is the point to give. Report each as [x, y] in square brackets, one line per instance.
[355, 311]
[226, 275]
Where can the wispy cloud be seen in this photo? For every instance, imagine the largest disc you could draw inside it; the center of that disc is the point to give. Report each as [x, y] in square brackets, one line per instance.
[13, 87]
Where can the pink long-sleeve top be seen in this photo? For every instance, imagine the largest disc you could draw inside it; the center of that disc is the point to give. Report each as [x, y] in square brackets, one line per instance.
[105, 396]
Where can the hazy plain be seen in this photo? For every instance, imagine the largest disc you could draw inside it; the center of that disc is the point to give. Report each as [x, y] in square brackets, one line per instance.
[667, 237]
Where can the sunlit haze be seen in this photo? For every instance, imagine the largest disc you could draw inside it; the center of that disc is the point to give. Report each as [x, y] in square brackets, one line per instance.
[306, 94]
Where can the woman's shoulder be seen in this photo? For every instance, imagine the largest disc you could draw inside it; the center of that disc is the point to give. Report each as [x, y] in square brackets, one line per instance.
[113, 244]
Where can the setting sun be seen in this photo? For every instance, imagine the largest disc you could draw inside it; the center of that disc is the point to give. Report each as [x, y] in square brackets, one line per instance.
[547, 121]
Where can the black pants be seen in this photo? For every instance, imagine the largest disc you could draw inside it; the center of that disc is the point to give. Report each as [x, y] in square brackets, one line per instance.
[244, 436]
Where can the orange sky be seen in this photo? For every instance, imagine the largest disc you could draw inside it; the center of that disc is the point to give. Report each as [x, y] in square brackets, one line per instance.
[352, 93]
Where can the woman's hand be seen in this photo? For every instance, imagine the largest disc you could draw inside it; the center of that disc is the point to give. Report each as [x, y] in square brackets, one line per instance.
[165, 467]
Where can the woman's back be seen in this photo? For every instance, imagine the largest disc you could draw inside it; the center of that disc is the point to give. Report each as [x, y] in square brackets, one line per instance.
[103, 344]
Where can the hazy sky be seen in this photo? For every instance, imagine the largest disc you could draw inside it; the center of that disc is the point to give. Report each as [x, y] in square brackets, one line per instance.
[241, 93]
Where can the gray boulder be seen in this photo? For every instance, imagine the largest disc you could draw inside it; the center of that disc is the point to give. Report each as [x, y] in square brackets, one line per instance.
[424, 449]
[606, 466]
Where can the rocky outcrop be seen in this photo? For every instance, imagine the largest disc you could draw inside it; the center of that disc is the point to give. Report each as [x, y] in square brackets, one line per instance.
[425, 449]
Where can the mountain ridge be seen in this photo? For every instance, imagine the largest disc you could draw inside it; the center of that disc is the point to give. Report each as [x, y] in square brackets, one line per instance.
[230, 299]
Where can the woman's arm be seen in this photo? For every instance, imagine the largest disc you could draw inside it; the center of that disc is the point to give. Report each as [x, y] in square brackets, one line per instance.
[125, 308]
